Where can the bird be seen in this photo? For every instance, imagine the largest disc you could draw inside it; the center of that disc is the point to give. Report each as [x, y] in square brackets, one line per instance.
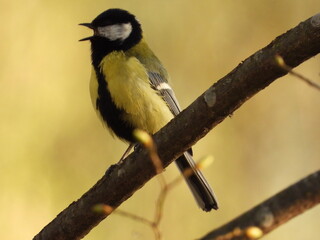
[130, 89]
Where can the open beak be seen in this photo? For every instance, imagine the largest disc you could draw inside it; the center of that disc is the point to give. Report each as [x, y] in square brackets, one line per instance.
[88, 25]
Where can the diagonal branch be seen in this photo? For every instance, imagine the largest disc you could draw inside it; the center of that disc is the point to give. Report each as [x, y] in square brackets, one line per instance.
[273, 212]
[222, 99]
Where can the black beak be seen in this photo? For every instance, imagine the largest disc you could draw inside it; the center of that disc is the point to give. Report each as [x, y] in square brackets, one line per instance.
[88, 25]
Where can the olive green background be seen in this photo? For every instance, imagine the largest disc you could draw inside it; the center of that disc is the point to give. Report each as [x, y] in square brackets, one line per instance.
[53, 148]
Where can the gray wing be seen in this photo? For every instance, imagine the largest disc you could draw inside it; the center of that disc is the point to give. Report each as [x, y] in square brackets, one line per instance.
[161, 85]
[199, 186]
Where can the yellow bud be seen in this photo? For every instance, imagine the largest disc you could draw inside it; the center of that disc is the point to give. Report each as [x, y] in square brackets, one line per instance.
[280, 60]
[254, 232]
[205, 162]
[102, 208]
[142, 136]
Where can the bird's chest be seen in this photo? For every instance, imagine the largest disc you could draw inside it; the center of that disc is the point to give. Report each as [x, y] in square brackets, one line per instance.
[128, 84]
[127, 81]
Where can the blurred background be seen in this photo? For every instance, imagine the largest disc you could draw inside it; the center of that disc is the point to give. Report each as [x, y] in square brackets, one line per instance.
[53, 148]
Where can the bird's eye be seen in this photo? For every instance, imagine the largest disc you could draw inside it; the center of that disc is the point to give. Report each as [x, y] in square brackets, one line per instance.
[115, 32]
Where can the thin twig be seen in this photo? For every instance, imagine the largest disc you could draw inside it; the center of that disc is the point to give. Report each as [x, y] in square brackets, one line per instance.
[289, 69]
[146, 140]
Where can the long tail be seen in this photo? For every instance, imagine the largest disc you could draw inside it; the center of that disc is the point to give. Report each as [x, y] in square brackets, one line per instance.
[197, 183]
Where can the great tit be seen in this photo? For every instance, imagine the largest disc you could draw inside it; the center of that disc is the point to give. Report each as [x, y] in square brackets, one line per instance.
[129, 89]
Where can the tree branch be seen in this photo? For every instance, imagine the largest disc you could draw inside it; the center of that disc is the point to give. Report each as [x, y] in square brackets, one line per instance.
[219, 101]
[273, 212]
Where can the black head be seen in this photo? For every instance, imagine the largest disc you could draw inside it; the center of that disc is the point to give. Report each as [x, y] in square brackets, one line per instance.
[114, 29]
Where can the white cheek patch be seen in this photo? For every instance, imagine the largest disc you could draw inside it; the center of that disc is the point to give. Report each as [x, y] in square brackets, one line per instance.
[115, 32]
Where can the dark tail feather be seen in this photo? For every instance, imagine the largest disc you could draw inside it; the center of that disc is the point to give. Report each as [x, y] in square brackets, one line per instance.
[199, 186]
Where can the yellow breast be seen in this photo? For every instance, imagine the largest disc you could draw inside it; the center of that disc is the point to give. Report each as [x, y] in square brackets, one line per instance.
[129, 87]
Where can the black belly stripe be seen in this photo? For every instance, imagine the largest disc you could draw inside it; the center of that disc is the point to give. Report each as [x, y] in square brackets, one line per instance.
[109, 111]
